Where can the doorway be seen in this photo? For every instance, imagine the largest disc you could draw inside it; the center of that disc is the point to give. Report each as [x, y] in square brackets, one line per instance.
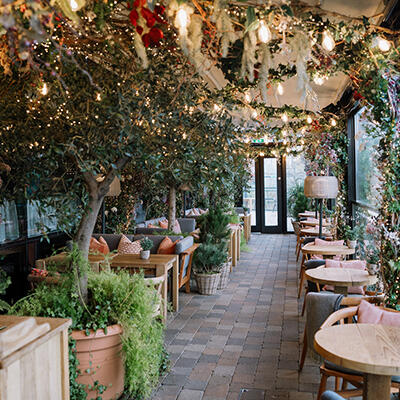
[271, 181]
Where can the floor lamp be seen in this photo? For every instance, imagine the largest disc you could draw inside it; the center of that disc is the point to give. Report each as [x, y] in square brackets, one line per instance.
[321, 187]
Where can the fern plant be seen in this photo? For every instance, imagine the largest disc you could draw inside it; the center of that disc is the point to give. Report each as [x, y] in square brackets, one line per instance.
[5, 282]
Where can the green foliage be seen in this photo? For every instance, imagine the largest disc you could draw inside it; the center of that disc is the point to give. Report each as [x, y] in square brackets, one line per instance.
[5, 282]
[297, 201]
[214, 225]
[209, 257]
[146, 243]
[113, 298]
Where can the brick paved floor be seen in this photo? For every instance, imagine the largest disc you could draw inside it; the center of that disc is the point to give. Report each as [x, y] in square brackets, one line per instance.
[244, 342]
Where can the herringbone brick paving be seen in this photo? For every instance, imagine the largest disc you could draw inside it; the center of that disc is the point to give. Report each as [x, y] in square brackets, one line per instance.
[245, 337]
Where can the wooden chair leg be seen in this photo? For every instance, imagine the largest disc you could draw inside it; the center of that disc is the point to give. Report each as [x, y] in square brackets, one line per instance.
[322, 385]
[337, 383]
[303, 351]
[302, 274]
[298, 248]
[187, 286]
[304, 303]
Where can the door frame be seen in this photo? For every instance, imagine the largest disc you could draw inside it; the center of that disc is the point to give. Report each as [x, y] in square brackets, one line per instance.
[260, 196]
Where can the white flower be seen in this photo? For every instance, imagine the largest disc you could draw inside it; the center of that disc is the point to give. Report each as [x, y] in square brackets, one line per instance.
[114, 209]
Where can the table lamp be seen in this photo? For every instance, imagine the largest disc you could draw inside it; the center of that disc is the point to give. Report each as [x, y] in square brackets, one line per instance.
[321, 187]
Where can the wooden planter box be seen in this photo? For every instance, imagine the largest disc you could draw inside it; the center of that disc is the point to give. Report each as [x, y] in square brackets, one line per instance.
[34, 358]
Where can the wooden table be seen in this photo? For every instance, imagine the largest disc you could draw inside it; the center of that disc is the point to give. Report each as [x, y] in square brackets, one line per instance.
[311, 249]
[309, 214]
[160, 263]
[315, 222]
[314, 231]
[246, 218]
[340, 278]
[371, 349]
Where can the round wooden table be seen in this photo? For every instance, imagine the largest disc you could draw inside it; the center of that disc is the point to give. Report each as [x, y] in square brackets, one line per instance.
[315, 222]
[312, 249]
[371, 349]
[314, 231]
[309, 214]
[340, 278]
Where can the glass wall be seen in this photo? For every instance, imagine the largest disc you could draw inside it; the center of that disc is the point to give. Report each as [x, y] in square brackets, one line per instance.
[366, 171]
[40, 222]
[295, 174]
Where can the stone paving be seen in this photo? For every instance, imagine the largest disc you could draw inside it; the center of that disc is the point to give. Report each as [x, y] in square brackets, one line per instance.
[243, 343]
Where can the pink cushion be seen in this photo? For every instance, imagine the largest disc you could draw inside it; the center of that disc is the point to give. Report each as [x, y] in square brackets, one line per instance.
[370, 314]
[177, 227]
[321, 242]
[352, 264]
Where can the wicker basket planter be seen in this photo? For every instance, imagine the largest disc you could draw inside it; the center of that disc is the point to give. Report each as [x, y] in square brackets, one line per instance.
[207, 283]
[225, 271]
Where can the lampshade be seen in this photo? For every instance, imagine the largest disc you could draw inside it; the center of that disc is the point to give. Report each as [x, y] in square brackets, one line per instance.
[321, 187]
[115, 186]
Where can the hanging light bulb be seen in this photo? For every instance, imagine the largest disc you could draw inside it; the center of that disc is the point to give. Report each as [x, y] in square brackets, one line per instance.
[328, 43]
[254, 114]
[383, 44]
[284, 118]
[284, 132]
[74, 5]
[318, 80]
[44, 89]
[98, 97]
[217, 107]
[309, 119]
[280, 89]
[264, 34]
[247, 97]
[333, 122]
[182, 18]
[262, 154]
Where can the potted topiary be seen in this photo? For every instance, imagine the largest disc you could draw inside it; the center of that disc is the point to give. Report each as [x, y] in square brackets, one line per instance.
[350, 236]
[147, 245]
[208, 261]
[116, 344]
[372, 262]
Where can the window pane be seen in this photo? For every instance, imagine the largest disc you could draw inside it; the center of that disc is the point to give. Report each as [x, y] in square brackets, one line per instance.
[8, 222]
[367, 174]
[249, 195]
[295, 174]
[270, 192]
[39, 224]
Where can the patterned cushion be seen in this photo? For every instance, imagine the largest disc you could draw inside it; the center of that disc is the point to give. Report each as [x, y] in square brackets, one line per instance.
[125, 246]
[98, 246]
[167, 246]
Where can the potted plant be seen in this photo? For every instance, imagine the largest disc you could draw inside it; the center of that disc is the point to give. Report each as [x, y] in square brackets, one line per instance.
[350, 236]
[147, 245]
[116, 344]
[297, 201]
[372, 262]
[208, 261]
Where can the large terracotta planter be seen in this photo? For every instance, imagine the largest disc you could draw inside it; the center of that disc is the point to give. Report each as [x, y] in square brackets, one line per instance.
[100, 354]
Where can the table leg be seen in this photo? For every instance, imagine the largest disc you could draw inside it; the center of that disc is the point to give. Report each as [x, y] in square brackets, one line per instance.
[341, 290]
[234, 249]
[376, 387]
[238, 236]
[175, 284]
[162, 271]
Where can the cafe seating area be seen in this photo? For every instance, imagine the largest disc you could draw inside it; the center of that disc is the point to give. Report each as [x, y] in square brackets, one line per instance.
[199, 200]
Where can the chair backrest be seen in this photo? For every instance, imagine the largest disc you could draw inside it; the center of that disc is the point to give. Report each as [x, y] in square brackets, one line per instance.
[296, 227]
[329, 395]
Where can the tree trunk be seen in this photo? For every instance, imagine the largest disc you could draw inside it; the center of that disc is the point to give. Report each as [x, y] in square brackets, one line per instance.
[82, 239]
[172, 208]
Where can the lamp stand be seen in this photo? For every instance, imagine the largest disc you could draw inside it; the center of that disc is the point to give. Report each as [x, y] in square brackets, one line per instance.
[103, 216]
[316, 208]
[320, 218]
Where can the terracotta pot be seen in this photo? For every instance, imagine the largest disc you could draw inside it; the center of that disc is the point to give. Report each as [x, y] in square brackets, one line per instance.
[100, 354]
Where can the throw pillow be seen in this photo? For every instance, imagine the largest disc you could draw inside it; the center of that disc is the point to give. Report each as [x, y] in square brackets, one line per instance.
[125, 246]
[167, 246]
[352, 264]
[98, 246]
[164, 224]
[153, 226]
[177, 227]
[321, 242]
[370, 314]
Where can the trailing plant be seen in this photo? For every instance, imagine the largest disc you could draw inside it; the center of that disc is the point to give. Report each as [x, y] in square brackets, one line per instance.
[5, 282]
[297, 201]
[209, 258]
[113, 298]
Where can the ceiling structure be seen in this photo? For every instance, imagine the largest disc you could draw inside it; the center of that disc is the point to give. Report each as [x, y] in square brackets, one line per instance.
[332, 89]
